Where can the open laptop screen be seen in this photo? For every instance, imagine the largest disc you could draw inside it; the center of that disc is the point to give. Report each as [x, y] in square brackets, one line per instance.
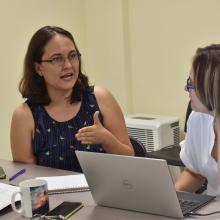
[133, 183]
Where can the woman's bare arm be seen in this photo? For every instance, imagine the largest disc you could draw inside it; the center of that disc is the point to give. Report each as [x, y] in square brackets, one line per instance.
[113, 135]
[22, 128]
[189, 181]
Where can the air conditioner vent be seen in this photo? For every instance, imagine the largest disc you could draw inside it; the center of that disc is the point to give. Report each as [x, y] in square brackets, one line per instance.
[155, 132]
[145, 136]
[176, 136]
[175, 124]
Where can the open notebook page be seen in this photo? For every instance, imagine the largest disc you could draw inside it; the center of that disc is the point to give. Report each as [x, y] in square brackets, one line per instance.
[69, 183]
[6, 192]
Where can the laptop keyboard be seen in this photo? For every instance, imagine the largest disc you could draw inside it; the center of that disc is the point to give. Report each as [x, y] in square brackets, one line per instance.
[187, 205]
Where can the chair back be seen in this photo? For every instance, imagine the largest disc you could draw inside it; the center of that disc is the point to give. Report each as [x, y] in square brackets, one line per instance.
[139, 149]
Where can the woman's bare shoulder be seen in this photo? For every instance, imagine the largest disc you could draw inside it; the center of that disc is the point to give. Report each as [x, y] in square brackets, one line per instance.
[101, 92]
[106, 101]
[22, 112]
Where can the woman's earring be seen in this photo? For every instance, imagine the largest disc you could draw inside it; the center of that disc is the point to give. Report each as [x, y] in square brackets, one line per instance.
[40, 74]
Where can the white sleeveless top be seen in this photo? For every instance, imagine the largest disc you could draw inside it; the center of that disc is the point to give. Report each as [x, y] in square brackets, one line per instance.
[197, 147]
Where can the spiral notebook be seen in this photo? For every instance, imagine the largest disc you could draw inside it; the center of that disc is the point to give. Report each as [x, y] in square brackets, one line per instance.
[66, 184]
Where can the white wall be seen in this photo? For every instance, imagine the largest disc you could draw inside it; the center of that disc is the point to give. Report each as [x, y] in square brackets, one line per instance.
[163, 38]
[106, 47]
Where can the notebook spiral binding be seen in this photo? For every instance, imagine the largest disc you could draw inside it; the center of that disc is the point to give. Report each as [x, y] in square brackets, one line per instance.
[60, 191]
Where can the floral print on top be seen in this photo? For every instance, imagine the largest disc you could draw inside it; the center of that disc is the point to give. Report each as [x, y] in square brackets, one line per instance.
[54, 142]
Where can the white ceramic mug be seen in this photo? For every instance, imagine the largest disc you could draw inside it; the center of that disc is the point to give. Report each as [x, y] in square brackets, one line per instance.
[34, 198]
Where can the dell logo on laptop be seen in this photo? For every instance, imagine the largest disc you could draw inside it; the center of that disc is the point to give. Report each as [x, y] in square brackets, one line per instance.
[127, 184]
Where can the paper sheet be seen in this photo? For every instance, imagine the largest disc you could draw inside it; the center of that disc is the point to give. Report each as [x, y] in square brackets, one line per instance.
[6, 192]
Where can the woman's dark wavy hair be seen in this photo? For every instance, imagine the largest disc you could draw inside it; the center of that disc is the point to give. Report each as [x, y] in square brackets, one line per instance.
[32, 86]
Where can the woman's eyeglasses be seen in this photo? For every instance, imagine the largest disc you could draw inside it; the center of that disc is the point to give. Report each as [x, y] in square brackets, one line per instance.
[189, 85]
[60, 60]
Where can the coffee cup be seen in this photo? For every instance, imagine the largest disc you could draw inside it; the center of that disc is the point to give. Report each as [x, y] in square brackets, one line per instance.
[34, 198]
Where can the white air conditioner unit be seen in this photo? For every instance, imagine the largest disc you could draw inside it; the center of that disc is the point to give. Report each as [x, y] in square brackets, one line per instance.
[154, 131]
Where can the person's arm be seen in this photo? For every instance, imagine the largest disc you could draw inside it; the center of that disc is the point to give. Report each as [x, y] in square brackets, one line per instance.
[22, 127]
[189, 181]
[113, 135]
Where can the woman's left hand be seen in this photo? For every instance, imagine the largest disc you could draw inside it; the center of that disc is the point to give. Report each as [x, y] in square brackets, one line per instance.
[95, 134]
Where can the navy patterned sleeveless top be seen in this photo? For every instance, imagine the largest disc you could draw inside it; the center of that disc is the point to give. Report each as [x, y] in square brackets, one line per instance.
[54, 142]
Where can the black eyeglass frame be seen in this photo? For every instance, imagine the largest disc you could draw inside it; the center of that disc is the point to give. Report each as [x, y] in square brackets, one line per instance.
[189, 85]
[62, 60]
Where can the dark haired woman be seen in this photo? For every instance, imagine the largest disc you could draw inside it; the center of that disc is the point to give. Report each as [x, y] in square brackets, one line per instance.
[62, 113]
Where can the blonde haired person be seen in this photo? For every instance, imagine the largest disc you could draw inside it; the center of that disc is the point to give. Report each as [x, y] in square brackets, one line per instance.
[62, 112]
[199, 150]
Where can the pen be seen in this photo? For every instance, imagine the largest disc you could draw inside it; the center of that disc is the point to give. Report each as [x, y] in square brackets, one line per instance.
[17, 174]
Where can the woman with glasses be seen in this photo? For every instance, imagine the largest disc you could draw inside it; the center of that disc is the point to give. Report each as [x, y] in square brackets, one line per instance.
[199, 150]
[62, 113]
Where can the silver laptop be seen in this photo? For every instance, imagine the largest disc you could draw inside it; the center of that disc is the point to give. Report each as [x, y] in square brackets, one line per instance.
[135, 183]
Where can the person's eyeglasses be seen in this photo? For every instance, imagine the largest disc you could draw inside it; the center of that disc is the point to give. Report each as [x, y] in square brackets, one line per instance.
[60, 60]
[189, 85]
